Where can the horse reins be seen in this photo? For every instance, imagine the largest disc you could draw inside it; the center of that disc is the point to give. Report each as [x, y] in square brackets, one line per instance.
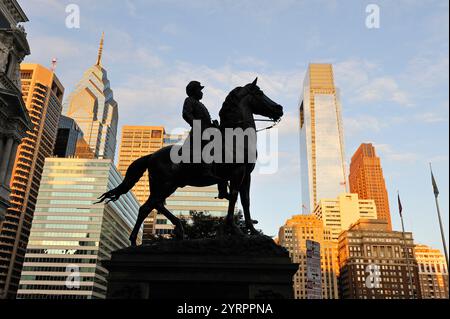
[275, 122]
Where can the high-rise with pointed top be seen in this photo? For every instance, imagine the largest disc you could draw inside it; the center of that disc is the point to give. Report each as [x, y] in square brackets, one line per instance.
[93, 107]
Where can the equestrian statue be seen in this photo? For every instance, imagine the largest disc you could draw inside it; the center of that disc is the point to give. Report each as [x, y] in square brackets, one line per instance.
[166, 175]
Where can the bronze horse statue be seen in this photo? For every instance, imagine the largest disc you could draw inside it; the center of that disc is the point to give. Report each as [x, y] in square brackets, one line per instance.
[166, 176]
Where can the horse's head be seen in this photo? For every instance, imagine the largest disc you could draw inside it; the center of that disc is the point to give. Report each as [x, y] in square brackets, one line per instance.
[242, 102]
[261, 104]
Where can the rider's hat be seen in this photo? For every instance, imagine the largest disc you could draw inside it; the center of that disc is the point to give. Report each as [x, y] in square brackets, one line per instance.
[193, 86]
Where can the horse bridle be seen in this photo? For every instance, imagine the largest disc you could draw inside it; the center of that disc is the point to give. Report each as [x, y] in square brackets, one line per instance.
[275, 122]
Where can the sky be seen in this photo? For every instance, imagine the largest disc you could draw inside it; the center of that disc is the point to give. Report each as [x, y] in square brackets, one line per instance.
[393, 79]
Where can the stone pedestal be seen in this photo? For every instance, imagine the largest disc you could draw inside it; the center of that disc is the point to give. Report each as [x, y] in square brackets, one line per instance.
[235, 267]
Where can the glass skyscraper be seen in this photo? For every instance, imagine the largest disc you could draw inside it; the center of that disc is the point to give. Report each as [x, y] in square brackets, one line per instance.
[71, 235]
[323, 173]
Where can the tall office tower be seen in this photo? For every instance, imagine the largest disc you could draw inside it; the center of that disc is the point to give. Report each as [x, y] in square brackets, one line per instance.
[42, 94]
[14, 119]
[302, 235]
[339, 213]
[321, 138]
[138, 141]
[374, 262]
[71, 235]
[433, 272]
[67, 137]
[93, 107]
[366, 179]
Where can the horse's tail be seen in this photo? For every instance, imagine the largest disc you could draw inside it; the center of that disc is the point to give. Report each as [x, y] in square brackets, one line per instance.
[134, 173]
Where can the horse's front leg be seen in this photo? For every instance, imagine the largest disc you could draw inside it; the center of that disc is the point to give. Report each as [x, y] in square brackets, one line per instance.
[245, 201]
[235, 185]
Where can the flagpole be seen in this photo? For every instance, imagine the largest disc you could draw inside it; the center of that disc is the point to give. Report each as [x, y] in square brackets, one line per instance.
[436, 193]
[405, 247]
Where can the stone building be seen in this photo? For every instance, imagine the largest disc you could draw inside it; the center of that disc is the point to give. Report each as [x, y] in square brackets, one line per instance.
[14, 119]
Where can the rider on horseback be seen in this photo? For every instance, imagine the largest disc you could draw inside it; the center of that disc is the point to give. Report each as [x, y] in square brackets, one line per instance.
[193, 109]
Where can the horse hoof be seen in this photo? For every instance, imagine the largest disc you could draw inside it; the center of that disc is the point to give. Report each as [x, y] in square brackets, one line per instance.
[132, 241]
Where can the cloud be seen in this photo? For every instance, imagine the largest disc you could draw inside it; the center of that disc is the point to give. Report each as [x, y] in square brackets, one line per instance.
[387, 151]
[381, 89]
[362, 123]
[172, 29]
[363, 81]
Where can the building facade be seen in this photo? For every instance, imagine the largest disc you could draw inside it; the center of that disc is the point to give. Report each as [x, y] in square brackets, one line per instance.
[322, 158]
[42, 94]
[66, 139]
[301, 235]
[366, 179]
[433, 272]
[71, 235]
[138, 141]
[339, 213]
[377, 263]
[14, 119]
[93, 107]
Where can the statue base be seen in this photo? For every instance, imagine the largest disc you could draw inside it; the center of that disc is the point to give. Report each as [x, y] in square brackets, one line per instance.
[250, 267]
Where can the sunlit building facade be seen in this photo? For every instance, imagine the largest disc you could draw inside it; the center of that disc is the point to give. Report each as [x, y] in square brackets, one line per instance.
[43, 94]
[14, 119]
[377, 263]
[339, 213]
[366, 179]
[294, 236]
[93, 107]
[322, 158]
[71, 235]
[433, 272]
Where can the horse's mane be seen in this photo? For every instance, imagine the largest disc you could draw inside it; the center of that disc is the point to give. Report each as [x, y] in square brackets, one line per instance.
[230, 103]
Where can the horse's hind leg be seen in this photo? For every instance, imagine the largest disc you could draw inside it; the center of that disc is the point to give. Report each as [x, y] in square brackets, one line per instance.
[144, 210]
[178, 231]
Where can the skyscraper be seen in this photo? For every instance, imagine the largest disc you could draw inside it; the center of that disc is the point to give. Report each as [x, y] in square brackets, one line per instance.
[42, 94]
[14, 119]
[433, 272]
[376, 263]
[296, 235]
[366, 179]
[137, 141]
[321, 138]
[71, 235]
[93, 107]
[339, 213]
[67, 137]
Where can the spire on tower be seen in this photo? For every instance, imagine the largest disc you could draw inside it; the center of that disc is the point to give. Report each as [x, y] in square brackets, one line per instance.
[100, 50]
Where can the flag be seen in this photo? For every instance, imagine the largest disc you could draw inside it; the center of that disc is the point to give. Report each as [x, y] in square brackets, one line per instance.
[400, 208]
[435, 188]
